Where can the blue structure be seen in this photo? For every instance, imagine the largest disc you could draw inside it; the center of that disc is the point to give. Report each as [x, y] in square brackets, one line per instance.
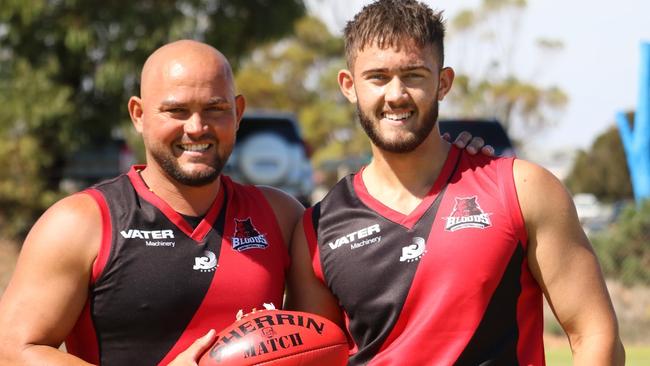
[636, 140]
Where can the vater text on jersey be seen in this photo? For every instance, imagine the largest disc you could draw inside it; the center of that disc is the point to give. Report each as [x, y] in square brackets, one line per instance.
[356, 235]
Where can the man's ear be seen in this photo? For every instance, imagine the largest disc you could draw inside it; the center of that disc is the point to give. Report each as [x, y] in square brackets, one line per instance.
[346, 83]
[240, 106]
[136, 111]
[444, 82]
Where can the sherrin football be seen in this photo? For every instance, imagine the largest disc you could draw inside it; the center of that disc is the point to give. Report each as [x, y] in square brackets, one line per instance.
[278, 338]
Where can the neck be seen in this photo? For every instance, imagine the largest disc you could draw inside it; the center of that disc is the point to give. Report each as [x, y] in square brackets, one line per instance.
[402, 180]
[186, 200]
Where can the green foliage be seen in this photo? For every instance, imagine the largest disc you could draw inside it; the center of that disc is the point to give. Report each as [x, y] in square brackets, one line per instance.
[602, 170]
[486, 85]
[298, 74]
[623, 249]
[67, 69]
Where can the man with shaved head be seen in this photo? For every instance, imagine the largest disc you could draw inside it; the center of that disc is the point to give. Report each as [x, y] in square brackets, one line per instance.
[139, 269]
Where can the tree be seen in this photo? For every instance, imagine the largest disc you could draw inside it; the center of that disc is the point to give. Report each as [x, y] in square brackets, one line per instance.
[67, 69]
[298, 74]
[602, 170]
[623, 249]
[486, 84]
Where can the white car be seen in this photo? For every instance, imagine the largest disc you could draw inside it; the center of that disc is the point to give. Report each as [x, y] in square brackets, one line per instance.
[270, 151]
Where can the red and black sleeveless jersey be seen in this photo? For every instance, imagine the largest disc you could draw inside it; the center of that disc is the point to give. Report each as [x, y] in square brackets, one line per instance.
[158, 284]
[448, 284]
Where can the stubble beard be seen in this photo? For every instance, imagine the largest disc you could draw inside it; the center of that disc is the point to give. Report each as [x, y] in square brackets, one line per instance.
[408, 141]
[169, 164]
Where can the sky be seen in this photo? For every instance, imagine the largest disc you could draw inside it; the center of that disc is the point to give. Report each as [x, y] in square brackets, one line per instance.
[598, 67]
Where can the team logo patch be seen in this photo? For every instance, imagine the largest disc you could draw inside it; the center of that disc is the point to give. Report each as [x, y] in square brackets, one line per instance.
[467, 214]
[247, 237]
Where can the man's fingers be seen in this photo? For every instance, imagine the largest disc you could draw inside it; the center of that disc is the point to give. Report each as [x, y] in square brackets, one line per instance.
[201, 345]
[462, 139]
[472, 144]
[488, 150]
[446, 136]
[475, 145]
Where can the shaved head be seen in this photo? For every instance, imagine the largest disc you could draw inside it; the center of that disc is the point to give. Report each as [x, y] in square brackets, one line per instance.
[174, 58]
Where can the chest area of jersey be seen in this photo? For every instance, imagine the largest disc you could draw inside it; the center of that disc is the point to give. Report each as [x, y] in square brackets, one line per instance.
[459, 221]
[465, 236]
[153, 260]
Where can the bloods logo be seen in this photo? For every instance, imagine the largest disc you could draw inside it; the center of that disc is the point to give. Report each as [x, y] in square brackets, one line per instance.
[247, 237]
[467, 214]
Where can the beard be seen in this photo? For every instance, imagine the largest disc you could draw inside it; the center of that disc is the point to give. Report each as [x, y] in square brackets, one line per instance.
[169, 164]
[407, 141]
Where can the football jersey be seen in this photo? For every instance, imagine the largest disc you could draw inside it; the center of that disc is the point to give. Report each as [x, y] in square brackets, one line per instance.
[158, 283]
[447, 284]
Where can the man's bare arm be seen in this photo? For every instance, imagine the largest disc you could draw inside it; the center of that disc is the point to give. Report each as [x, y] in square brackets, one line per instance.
[50, 284]
[564, 264]
[305, 292]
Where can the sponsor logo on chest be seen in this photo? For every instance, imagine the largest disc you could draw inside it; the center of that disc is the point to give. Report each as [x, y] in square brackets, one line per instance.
[467, 214]
[152, 238]
[359, 238]
[205, 263]
[246, 236]
[415, 251]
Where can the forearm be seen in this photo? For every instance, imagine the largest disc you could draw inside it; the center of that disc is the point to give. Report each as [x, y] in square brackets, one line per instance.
[605, 350]
[40, 355]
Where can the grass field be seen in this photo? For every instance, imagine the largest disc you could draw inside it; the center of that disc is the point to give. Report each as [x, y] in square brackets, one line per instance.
[634, 356]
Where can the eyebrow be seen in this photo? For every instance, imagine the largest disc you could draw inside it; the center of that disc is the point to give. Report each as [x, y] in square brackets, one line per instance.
[169, 103]
[401, 69]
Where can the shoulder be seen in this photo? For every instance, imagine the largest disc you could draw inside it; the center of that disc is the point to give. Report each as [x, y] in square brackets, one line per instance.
[540, 193]
[478, 164]
[532, 179]
[75, 220]
[65, 239]
[286, 208]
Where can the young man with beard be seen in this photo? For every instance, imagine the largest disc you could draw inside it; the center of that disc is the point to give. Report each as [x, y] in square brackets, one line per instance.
[138, 269]
[430, 256]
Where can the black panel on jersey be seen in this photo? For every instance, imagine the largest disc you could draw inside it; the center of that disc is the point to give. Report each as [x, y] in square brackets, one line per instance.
[382, 280]
[141, 285]
[315, 216]
[194, 221]
[487, 348]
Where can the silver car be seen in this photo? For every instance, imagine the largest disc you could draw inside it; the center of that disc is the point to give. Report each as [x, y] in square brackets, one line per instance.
[270, 151]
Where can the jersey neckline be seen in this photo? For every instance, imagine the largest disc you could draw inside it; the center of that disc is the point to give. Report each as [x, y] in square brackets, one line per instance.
[197, 234]
[410, 219]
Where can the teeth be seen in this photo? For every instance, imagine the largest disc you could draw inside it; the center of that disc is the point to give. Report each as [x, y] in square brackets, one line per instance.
[194, 147]
[397, 116]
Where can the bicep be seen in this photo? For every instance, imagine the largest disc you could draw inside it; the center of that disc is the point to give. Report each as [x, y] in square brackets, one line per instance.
[560, 255]
[305, 292]
[50, 283]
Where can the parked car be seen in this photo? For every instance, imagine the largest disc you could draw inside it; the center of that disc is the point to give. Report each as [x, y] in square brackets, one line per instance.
[92, 164]
[270, 151]
[490, 130]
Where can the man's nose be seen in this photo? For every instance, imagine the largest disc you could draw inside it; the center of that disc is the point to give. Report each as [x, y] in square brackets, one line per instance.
[395, 90]
[194, 124]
